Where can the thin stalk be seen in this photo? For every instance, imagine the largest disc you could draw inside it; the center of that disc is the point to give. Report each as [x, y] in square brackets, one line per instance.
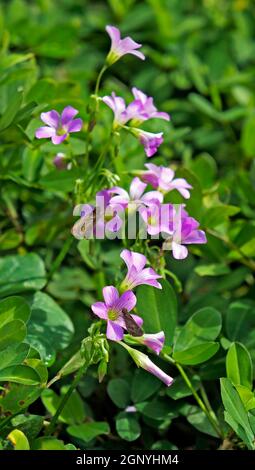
[101, 73]
[64, 400]
[206, 400]
[213, 420]
[61, 256]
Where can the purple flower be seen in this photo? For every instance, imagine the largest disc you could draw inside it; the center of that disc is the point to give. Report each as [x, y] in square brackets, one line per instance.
[162, 178]
[142, 360]
[158, 218]
[59, 126]
[137, 273]
[152, 341]
[187, 233]
[150, 141]
[136, 194]
[147, 109]
[61, 163]
[122, 113]
[120, 47]
[111, 311]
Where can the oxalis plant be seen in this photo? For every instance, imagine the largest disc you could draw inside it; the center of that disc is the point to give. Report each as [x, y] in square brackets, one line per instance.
[135, 313]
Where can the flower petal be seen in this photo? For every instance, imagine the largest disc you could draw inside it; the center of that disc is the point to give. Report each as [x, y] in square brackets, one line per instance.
[179, 251]
[45, 132]
[132, 258]
[137, 188]
[114, 331]
[99, 309]
[51, 118]
[75, 125]
[57, 139]
[111, 295]
[137, 319]
[67, 115]
[127, 301]
[114, 34]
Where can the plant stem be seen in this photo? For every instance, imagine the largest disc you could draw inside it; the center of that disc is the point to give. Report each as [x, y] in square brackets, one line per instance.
[61, 256]
[211, 416]
[65, 399]
[101, 73]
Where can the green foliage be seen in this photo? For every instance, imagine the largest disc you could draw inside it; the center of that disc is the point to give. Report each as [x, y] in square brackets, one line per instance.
[200, 69]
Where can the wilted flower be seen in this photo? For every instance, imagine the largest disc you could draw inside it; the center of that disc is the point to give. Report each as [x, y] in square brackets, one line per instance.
[154, 341]
[137, 273]
[150, 141]
[59, 126]
[187, 233]
[136, 194]
[61, 163]
[111, 310]
[142, 360]
[120, 47]
[146, 108]
[162, 178]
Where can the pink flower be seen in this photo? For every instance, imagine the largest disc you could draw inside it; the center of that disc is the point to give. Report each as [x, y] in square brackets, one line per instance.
[162, 178]
[122, 113]
[142, 360]
[147, 109]
[111, 310]
[158, 218]
[150, 141]
[137, 273]
[185, 233]
[120, 47]
[152, 341]
[136, 194]
[59, 126]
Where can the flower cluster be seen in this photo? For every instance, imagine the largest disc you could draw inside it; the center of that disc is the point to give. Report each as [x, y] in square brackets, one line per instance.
[117, 310]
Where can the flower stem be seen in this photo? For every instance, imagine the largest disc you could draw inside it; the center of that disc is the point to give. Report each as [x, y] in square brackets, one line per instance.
[209, 413]
[65, 399]
[61, 256]
[101, 73]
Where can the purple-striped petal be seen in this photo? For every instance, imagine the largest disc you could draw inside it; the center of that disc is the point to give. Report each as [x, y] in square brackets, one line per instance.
[45, 132]
[132, 258]
[114, 331]
[110, 295]
[99, 309]
[127, 301]
[75, 125]
[137, 319]
[67, 115]
[51, 118]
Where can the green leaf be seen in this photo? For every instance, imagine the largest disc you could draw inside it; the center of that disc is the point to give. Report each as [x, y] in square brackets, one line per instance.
[180, 389]
[128, 428]
[47, 443]
[236, 415]
[20, 374]
[32, 160]
[18, 397]
[239, 365]
[12, 333]
[143, 386]
[119, 392]
[197, 354]
[247, 138]
[11, 110]
[212, 270]
[158, 308]
[240, 322]
[13, 355]
[73, 412]
[216, 215]
[89, 431]
[200, 421]
[18, 440]
[49, 321]
[14, 308]
[30, 424]
[21, 273]
[247, 397]
[63, 181]
[203, 326]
